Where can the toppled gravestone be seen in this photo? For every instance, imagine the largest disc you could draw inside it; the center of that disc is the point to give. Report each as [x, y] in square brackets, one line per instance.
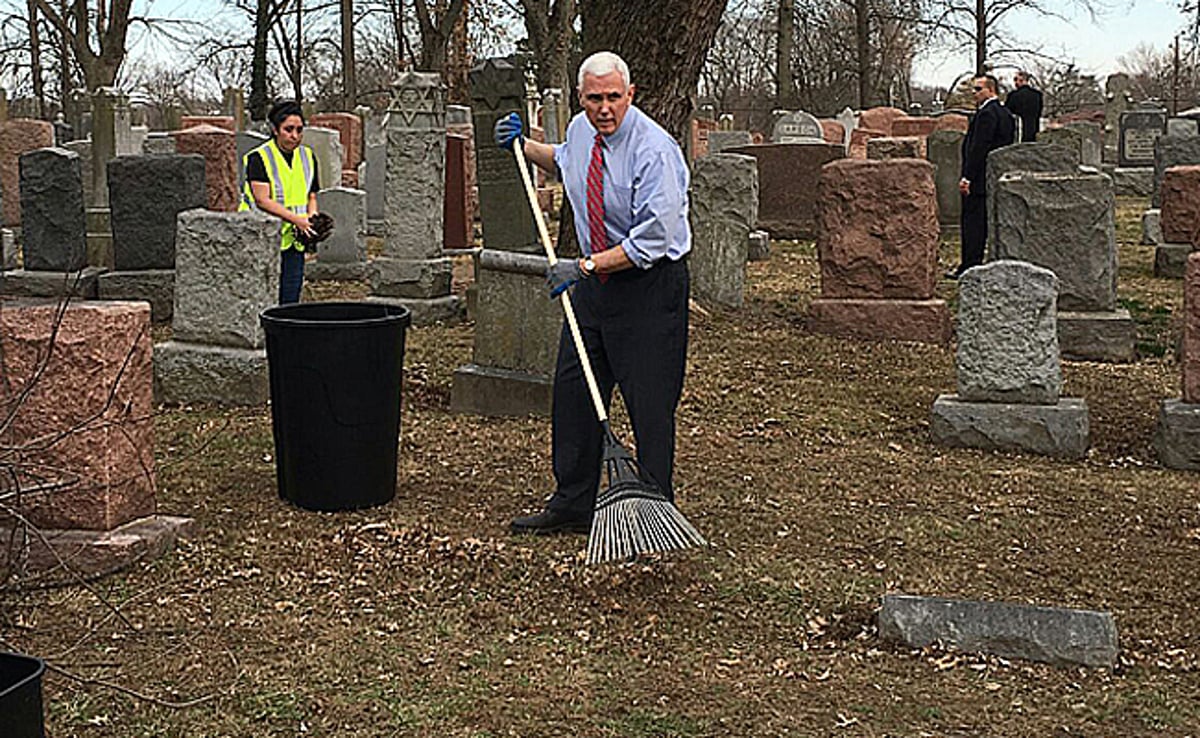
[1009, 377]
[1053, 635]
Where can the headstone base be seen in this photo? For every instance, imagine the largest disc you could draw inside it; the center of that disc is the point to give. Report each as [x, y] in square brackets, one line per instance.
[1177, 437]
[1152, 227]
[1054, 635]
[481, 390]
[1050, 430]
[410, 278]
[91, 554]
[192, 372]
[155, 286]
[81, 285]
[1170, 260]
[1133, 181]
[376, 227]
[353, 271]
[448, 309]
[99, 238]
[923, 321]
[1110, 336]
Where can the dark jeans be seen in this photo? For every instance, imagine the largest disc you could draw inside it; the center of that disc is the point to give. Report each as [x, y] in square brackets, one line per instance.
[291, 275]
[974, 230]
[635, 329]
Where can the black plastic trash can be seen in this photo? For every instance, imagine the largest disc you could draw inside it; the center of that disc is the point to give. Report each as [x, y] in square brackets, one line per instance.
[335, 371]
[21, 696]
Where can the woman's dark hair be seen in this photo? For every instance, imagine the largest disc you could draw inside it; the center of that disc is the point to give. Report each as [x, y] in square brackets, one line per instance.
[282, 109]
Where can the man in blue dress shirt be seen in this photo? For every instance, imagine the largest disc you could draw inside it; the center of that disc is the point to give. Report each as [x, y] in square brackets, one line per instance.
[627, 182]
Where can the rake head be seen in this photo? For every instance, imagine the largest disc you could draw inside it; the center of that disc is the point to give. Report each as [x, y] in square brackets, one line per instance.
[632, 515]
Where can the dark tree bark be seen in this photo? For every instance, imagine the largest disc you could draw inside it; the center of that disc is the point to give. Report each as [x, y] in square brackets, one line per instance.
[35, 59]
[99, 66]
[664, 42]
[862, 40]
[550, 26]
[259, 104]
[349, 84]
[436, 26]
[785, 86]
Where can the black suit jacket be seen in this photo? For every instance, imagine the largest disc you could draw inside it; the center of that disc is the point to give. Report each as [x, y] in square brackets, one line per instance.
[991, 128]
[1026, 103]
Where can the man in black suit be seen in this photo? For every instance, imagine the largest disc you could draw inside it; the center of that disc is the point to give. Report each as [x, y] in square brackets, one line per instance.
[991, 128]
[1025, 103]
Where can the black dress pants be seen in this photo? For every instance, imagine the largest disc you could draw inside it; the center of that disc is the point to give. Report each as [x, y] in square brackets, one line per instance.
[635, 329]
[974, 230]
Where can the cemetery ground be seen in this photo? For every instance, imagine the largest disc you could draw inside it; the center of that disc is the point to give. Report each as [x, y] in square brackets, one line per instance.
[807, 462]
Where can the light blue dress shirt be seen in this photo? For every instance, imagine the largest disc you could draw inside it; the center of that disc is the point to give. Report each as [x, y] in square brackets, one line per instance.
[645, 187]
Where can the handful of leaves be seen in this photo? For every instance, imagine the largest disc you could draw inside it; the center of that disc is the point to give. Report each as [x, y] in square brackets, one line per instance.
[320, 228]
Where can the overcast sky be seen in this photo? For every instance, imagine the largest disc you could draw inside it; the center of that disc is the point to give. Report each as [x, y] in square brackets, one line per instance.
[1094, 46]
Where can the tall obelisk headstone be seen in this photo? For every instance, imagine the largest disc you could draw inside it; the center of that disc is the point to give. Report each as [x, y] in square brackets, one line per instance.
[111, 137]
[412, 271]
[516, 326]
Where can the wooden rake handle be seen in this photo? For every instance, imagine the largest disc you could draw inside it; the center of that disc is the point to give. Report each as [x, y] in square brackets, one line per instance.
[565, 297]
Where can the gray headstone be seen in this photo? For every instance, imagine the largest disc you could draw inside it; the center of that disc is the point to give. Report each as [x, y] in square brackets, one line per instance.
[1139, 130]
[759, 246]
[247, 141]
[53, 232]
[8, 249]
[146, 193]
[111, 137]
[1152, 227]
[555, 115]
[226, 273]
[1008, 334]
[797, 127]
[158, 143]
[1023, 157]
[1059, 636]
[84, 149]
[375, 142]
[1063, 222]
[497, 89]
[1071, 138]
[458, 115]
[944, 150]
[348, 208]
[723, 211]
[1172, 151]
[849, 121]
[1182, 127]
[1091, 142]
[718, 141]
[326, 144]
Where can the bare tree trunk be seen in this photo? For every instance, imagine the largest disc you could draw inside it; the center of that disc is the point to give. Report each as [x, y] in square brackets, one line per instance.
[99, 67]
[35, 59]
[550, 27]
[980, 36]
[349, 85]
[435, 32]
[65, 60]
[297, 78]
[785, 86]
[458, 62]
[259, 105]
[664, 42]
[862, 40]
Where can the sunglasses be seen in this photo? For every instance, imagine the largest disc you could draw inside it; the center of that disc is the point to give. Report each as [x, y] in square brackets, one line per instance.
[977, 88]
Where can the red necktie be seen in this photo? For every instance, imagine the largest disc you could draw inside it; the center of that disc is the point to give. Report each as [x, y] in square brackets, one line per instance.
[597, 236]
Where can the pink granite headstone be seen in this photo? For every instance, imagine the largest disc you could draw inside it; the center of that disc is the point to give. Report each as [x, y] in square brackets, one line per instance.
[833, 131]
[219, 149]
[913, 126]
[953, 122]
[880, 119]
[1191, 329]
[1180, 192]
[858, 141]
[219, 121]
[87, 425]
[456, 227]
[350, 130]
[18, 136]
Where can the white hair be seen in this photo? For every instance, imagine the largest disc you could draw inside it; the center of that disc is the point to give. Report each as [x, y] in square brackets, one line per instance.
[602, 63]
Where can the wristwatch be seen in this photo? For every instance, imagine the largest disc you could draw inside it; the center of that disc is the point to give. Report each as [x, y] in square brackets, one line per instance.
[589, 266]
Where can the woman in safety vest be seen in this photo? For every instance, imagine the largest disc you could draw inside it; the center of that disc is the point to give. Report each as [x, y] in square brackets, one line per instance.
[282, 179]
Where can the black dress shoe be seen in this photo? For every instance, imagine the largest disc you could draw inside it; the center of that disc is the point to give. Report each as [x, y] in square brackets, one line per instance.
[549, 522]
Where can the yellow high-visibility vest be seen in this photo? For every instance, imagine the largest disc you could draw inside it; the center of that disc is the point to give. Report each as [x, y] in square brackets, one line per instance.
[290, 184]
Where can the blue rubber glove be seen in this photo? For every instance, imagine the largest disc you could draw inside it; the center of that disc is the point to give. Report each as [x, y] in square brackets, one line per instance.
[508, 130]
[562, 275]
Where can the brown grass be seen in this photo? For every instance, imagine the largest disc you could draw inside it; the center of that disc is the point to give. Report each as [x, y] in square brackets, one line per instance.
[807, 462]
